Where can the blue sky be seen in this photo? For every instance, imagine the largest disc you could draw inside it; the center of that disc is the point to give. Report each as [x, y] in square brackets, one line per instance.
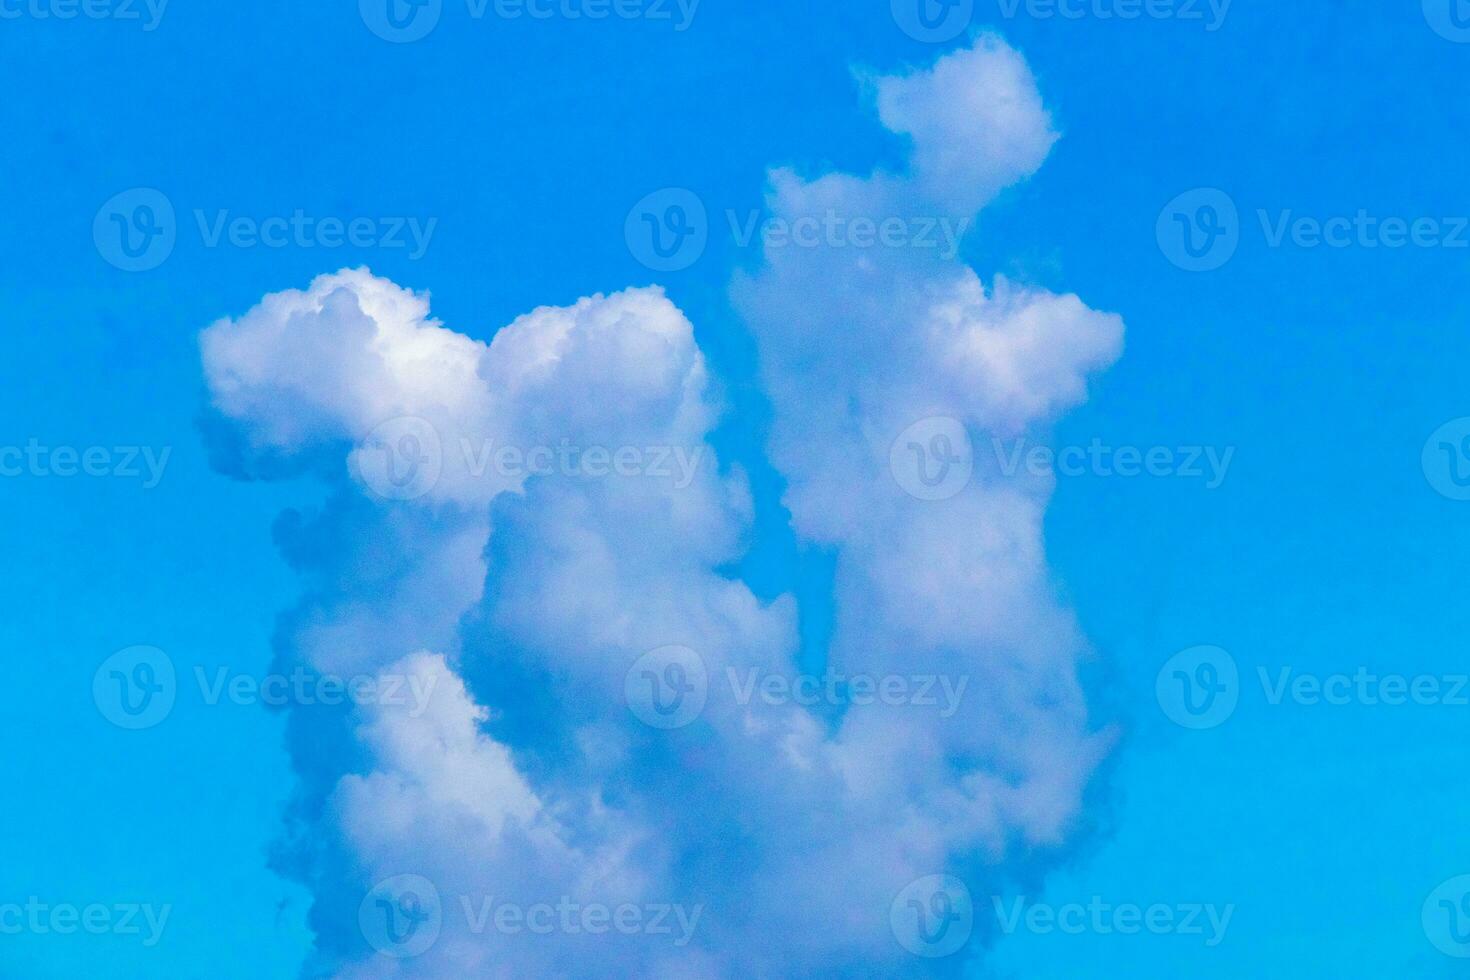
[1327, 546]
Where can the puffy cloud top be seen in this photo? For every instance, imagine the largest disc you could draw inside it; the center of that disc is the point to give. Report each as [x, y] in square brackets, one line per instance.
[601, 731]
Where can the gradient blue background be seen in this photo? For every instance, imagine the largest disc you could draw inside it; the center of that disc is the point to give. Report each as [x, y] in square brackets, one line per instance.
[1327, 369]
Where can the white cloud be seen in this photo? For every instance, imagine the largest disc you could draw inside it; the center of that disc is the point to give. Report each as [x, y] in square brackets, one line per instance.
[529, 778]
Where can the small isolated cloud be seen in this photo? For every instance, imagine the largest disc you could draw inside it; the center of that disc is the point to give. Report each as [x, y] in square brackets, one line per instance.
[538, 532]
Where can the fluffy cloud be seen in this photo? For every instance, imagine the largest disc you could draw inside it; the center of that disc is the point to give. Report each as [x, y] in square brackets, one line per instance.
[779, 834]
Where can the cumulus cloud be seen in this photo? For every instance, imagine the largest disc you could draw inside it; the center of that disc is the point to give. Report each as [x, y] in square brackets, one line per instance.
[545, 605]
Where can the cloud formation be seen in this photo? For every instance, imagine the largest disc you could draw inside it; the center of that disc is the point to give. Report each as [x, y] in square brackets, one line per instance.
[570, 617]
